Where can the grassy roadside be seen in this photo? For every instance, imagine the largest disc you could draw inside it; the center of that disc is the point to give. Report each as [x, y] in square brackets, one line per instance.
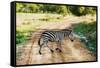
[88, 32]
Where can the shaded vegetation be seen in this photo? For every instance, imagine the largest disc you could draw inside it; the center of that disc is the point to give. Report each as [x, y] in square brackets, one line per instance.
[79, 11]
[88, 31]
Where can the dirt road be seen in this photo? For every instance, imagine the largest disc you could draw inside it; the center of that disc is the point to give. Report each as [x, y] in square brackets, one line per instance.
[71, 51]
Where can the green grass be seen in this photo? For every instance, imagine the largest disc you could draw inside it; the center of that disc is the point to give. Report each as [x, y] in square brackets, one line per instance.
[87, 30]
[20, 37]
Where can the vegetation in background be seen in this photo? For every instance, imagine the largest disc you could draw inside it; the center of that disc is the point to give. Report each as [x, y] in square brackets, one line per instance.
[88, 31]
[79, 11]
[61, 9]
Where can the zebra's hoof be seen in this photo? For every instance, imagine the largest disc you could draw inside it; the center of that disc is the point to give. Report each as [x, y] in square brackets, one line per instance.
[59, 50]
[72, 40]
[52, 51]
[40, 53]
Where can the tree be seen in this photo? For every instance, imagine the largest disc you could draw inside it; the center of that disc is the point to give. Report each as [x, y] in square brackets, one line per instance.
[61, 9]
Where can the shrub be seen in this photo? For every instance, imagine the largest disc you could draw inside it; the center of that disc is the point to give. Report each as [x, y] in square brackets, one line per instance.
[89, 32]
[20, 37]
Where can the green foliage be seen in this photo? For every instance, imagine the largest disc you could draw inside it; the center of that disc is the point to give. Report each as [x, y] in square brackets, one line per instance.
[61, 9]
[19, 7]
[90, 10]
[20, 37]
[26, 8]
[89, 32]
[79, 11]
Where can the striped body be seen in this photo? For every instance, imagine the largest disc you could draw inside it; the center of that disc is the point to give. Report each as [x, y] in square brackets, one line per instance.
[53, 36]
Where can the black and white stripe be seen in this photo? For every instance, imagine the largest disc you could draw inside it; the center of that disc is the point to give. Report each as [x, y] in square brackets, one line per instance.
[54, 36]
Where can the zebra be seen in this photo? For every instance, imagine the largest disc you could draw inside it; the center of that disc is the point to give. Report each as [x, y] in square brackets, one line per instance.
[54, 36]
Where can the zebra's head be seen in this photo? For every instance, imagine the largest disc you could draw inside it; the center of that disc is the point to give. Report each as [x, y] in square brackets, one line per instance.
[68, 33]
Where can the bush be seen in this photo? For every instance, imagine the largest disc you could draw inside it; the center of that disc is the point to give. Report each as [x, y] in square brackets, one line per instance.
[61, 9]
[80, 10]
[89, 32]
[20, 37]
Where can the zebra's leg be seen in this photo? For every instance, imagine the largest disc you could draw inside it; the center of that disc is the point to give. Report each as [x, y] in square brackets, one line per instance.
[50, 48]
[40, 49]
[70, 38]
[59, 46]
